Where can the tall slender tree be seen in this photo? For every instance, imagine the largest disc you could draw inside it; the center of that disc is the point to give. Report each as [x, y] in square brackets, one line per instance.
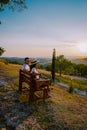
[53, 65]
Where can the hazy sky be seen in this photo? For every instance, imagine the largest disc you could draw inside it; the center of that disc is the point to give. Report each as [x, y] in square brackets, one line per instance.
[45, 25]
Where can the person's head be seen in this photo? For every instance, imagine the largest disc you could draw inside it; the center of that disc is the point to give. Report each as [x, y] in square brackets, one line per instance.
[34, 64]
[26, 60]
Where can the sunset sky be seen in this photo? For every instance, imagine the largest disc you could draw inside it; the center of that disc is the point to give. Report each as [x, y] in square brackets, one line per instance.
[45, 25]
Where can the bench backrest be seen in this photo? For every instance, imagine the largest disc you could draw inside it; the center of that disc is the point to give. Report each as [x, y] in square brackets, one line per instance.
[32, 81]
[25, 77]
[35, 85]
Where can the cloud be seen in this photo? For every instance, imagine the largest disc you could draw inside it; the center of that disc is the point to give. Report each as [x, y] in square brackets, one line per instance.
[67, 41]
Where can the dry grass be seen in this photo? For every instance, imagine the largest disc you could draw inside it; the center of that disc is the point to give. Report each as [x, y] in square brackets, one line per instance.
[61, 111]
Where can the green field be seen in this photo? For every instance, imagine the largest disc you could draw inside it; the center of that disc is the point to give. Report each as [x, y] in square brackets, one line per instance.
[76, 83]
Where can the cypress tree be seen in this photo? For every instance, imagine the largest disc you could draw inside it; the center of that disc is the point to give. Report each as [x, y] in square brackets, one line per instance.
[53, 65]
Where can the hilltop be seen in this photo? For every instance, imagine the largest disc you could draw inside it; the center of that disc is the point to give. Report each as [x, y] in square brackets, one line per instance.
[61, 111]
[80, 60]
[85, 59]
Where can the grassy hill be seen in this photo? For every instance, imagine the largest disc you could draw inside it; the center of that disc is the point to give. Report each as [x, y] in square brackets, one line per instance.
[61, 111]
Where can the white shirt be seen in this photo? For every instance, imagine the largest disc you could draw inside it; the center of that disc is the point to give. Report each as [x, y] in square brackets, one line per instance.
[33, 70]
[25, 66]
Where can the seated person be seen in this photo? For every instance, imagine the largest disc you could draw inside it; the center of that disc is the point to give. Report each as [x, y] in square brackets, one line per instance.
[38, 76]
[25, 66]
[34, 70]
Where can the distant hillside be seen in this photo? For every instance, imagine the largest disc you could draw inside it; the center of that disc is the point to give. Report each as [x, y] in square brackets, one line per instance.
[44, 61]
[13, 60]
[85, 59]
[79, 60]
[18, 60]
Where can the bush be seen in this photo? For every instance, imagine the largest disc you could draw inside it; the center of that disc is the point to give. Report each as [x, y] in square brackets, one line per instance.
[71, 89]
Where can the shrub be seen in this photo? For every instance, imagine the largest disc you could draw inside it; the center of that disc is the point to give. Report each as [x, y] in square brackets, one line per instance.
[71, 89]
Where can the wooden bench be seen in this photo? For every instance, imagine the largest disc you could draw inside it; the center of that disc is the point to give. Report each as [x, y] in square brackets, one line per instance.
[34, 85]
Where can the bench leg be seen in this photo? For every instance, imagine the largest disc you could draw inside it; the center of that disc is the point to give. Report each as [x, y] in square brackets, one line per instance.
[20, 81]
[45, 94]
[20, 85]
[31, 94]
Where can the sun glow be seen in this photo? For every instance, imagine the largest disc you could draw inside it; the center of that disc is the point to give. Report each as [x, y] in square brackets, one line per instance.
[83, 47]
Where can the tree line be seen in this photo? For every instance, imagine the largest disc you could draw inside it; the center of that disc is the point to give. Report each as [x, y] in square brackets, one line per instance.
[65, 66]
